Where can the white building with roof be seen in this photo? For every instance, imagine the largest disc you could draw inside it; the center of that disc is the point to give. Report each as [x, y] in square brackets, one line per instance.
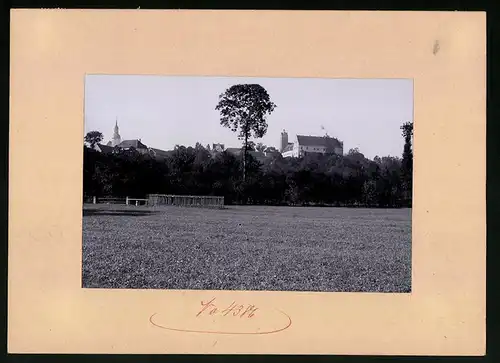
[302, 145]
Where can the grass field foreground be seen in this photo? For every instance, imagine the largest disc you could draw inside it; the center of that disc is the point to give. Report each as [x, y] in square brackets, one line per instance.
[247, 248]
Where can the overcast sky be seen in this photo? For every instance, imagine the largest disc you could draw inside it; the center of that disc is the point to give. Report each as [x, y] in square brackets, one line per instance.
[164, 111]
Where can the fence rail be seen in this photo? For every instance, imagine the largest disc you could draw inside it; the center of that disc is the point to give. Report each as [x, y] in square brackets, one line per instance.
[136, 201]
[105, 200]
[186, 200]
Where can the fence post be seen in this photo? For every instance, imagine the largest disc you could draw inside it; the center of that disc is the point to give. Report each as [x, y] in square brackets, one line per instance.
[126, 201]
[94, 200]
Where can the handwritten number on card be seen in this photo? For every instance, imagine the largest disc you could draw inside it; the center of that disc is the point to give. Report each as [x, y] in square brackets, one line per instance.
[234, 309]
[234, 312]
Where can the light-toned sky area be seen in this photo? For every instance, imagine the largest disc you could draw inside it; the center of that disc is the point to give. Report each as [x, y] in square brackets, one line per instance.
[164, 111]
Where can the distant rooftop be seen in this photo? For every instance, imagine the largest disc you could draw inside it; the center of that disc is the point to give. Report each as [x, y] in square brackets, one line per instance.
[218, 147]
[105, 148]
[317, 141]
[233, 150]
[259, 155]
[289, 147]
[137, 144]
[160, 153]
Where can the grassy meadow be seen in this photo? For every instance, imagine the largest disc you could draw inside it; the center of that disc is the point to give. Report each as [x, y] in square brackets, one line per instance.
[247, 248]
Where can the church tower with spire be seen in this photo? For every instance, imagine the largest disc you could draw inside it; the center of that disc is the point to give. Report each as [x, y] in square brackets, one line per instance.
[116, 135]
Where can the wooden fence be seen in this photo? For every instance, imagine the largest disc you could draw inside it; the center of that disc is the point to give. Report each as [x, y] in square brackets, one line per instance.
[186, 200]
[163, 199]
[104, 200]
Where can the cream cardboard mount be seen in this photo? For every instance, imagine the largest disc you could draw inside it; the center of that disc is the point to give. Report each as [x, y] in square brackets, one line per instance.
[52, 50]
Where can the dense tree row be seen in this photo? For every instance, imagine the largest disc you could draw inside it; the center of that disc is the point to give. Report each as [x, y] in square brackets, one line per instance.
[349, 180]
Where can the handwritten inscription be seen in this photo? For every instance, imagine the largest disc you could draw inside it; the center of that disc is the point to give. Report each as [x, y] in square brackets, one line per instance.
[249, 319]
[234, 309]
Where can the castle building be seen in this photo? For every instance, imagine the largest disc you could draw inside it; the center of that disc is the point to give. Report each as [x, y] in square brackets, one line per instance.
[303, 145]
[299, 147]
[284, 141]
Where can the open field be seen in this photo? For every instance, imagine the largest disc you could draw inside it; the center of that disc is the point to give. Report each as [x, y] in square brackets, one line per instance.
[247, 248]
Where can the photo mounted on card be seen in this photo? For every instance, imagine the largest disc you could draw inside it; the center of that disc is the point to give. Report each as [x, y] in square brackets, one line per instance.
[229, 183]
[287, 187]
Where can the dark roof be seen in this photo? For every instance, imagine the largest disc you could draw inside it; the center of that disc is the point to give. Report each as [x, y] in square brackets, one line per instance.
[289, 147]
[234, 150]
[256, 154]
[317, 141]
[160, 153]
[259, 155]
[132, 143]
[105, 148]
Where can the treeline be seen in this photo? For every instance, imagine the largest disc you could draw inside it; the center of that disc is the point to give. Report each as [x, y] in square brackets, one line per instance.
[315, 179]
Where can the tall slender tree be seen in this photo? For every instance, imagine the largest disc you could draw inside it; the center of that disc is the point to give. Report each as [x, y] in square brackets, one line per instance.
[244, 109]
[407, 162]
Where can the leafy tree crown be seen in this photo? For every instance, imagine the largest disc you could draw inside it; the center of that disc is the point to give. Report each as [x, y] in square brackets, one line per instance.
[244, 108]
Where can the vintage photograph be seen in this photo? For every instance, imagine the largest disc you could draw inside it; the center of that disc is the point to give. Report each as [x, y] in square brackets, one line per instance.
[232, 183]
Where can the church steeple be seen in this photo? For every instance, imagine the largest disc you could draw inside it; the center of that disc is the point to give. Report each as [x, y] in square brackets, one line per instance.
[116, 135]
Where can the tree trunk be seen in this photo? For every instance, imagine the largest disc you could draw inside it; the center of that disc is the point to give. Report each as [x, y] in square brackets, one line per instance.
[245, 157]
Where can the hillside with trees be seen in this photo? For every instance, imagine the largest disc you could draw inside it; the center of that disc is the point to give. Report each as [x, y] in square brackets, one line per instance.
[315, 179]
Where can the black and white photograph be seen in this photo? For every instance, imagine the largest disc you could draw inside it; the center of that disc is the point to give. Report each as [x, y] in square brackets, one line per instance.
[247, 183]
